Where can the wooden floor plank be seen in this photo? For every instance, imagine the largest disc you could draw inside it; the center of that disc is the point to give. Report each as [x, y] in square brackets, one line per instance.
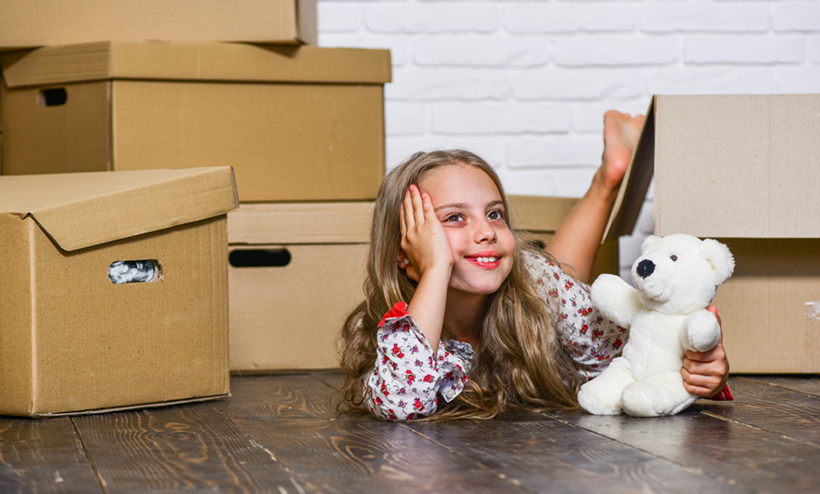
[190, 448]
[547, 455]
[777, 409]
[809, 384]
[43, 456]
[293, 417]
[747, 457]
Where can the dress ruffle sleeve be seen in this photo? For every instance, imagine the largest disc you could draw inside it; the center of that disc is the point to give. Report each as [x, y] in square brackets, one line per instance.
[407, 379]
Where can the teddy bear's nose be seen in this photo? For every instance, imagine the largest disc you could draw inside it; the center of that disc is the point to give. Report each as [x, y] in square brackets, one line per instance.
[645, 268]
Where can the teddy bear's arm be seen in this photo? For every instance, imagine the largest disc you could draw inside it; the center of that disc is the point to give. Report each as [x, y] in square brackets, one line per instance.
[701, 331]
[615, 299]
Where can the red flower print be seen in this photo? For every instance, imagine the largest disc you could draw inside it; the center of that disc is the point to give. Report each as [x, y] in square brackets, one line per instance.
[584, 329]
[553, 293]
[397, 351]
[597, 333]
[428, 378]
[585, 311]
[418, 405]
[410, 377]
[568, 285]
[391, 415]
[556, 276]
[617, 343]
[622, 330]
[601, 358]
[378, 401]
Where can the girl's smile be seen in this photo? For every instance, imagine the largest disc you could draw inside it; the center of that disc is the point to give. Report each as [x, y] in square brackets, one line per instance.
[469, 207]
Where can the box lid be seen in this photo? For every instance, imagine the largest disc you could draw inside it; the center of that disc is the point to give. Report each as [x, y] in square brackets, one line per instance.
[155, 60]
[301, 223]
[79, 210]
[31, 23]
[727, 166]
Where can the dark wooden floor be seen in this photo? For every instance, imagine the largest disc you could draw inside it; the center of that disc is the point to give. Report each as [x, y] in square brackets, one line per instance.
[279, 434]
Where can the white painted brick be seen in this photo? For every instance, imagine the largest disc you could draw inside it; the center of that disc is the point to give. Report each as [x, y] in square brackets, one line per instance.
[664, 17]
[796, 16]
[747, 49]
[577, 84]
[398, 45]
[528, 182]
[555, 151]
[614, 50]
[481, 51]
[710, 80]
[588, 118]
[447, 84]
[338, 17]
[573, 181]
[405, 118]
[399, 148]
[798, 80]
[566, 18]
[433, 18]
[813, 48]
[499, 119]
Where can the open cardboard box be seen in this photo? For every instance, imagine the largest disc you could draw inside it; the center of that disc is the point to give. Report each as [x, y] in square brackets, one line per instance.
[33, 23]
[72, 341]
[297, 270]
[746, 171]
[296, 123]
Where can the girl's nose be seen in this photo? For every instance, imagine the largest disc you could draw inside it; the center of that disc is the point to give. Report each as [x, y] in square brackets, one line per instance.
[485, 232]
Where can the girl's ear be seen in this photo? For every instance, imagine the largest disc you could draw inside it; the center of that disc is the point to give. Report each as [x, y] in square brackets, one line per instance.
[401, 259]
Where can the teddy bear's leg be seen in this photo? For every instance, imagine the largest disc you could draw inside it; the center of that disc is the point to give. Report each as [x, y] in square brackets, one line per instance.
[602, 395]
[659, 394]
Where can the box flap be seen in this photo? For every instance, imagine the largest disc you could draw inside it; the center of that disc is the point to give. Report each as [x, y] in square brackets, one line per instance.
[79, 210]
[635, 183]
[155, 60]
[301, 223]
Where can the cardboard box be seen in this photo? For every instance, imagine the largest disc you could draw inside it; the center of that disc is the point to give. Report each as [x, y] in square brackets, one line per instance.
[72, 341]
[539, 217]
[33, 23]
[296, 271]
[744, 170]
[296, 123]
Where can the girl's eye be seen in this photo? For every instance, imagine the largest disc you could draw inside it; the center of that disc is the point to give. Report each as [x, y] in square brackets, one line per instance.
[673, 257]
[453, 218]
[495, 214]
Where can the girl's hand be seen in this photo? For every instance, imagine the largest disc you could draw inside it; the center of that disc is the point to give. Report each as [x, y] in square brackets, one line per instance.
[705, 373]
[424, 242]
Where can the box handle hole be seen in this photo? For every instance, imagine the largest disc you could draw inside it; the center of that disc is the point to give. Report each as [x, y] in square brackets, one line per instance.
[259, 258]
[121, 272]
[52, 97]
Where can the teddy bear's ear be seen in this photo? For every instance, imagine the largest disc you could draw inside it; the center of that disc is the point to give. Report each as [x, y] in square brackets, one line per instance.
[651, 239]
[719, 256]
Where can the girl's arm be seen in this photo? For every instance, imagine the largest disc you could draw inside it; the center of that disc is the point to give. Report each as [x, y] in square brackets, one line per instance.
[576, 242]
[424, 244]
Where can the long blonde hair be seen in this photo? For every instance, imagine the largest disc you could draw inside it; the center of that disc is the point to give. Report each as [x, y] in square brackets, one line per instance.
[520, 363]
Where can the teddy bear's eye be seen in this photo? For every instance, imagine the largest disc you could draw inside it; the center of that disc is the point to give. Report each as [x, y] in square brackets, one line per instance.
[673, 257]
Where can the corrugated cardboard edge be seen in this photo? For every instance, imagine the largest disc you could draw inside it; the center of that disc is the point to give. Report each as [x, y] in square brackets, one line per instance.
[307, 21]
[122, 214]
[132, 407]
[635, 183]
[155, 60]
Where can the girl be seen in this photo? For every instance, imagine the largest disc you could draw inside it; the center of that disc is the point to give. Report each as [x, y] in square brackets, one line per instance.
[458, 308]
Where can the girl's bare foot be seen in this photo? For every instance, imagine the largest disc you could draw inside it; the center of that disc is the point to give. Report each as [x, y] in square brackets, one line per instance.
[621, 133]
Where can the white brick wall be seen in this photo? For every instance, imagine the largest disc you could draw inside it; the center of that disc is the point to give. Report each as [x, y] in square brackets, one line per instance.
[525, 83]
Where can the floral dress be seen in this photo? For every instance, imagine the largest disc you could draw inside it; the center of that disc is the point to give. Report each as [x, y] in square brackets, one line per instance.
[407, 380]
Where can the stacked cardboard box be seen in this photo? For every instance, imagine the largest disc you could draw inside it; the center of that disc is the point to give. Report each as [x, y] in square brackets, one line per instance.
[148, 91]
[744, 170]
[71, 340]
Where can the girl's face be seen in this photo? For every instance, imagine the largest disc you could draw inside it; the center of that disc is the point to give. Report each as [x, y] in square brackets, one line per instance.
[469, 207]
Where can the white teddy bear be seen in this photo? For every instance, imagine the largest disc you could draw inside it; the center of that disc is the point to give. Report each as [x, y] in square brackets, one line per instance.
[675, 278]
